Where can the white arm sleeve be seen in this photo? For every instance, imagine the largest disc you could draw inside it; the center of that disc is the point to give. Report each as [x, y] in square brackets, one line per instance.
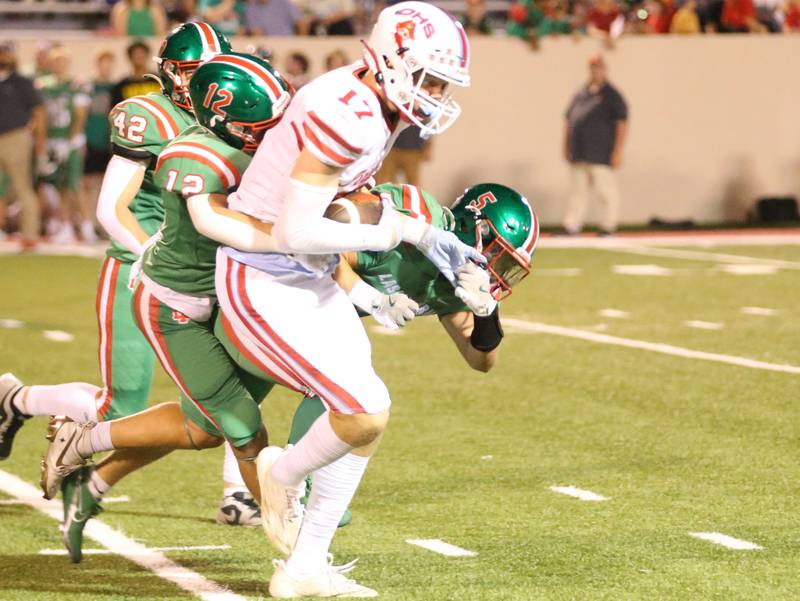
[301, 227]
[116, 188]
[227, 230]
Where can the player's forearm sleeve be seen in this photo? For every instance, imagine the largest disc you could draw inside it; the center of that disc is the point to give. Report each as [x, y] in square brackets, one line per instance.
[121, 182]
[301, 227]
[228, 227]
[487, 333]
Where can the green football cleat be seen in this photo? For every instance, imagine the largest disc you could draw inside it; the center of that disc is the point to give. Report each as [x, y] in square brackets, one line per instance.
[347, 517]
[79, 507]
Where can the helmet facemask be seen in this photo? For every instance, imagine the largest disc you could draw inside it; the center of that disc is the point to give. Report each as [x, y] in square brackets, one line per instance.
[507, 265]
[249, 134]
[179, 74]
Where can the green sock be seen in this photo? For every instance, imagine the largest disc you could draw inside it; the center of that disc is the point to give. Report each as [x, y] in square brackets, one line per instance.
[307, 413]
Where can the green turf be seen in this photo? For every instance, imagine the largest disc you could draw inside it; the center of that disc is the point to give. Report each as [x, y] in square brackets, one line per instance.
[677, 445]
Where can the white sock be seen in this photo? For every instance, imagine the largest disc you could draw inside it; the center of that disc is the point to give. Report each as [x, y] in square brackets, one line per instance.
[232, 480]
[77, 400]
[332, 489]
[96, 440]
[319, 447]
[97, 486]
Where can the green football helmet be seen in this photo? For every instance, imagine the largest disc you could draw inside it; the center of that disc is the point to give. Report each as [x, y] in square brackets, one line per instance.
[181, 52]
[238, 97]
[501, 223]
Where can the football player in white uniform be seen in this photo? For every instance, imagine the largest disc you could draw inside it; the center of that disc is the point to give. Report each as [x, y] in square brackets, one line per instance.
[286, 308]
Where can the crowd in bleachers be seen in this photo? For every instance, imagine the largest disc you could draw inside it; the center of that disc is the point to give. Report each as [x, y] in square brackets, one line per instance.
[527, 19]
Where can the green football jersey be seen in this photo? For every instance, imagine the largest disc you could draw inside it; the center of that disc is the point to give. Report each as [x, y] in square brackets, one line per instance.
[140, 129]
[61, 98]
[196, 162]
[405, 269]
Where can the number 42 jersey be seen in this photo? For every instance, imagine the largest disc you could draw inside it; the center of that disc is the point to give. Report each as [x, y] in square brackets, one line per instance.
[140, 129]
[336, 117]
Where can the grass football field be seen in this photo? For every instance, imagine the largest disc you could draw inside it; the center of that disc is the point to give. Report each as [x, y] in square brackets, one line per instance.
[675, 442]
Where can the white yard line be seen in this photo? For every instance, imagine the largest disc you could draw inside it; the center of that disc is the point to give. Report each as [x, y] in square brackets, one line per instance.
[646, 270]
[759, 311]
[520, 325]
[122, 499]
[147, 550]
[699, 324]
[58, 335]
[116, 542]
[699, 255]
[578, 493]
[726, 541]
[734, 238]
[11, 324]
[439, 546]
[614, 313]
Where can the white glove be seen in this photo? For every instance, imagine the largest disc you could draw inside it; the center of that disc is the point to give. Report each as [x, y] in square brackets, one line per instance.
[447, 252]
[392, 311]
[474, 289]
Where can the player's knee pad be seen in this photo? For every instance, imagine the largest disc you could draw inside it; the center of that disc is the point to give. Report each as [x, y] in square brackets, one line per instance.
[373, 396]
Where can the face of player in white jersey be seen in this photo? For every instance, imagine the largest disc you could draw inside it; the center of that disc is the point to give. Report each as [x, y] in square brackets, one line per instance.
[416, 53]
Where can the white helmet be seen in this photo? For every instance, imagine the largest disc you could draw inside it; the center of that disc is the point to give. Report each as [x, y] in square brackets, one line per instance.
[410, 41]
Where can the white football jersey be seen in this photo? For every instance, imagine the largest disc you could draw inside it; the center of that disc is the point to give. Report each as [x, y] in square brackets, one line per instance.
[339, 119]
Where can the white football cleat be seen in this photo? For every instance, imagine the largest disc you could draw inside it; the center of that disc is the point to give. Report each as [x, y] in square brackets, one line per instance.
[328, 582]
[281, 510]
[62, 456]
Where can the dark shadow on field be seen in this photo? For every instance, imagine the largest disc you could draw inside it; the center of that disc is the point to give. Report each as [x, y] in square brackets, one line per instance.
[153, 514]
[231, 574]
[96, 575]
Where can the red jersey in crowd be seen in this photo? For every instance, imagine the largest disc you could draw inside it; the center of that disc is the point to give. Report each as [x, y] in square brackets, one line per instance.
[736, 13]
[601, 19]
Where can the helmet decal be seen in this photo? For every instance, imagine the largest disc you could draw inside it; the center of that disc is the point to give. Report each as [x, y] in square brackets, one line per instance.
[405, 31]
[478, 204]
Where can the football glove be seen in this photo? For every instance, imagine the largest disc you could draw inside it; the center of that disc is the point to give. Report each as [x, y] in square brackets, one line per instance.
[392, 311]
[447, 252]
[474, 289]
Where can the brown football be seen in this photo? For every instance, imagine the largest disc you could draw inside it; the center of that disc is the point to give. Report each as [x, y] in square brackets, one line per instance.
[356, 207]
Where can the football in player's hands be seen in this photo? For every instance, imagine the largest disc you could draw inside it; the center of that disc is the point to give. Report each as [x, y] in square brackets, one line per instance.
[355, 208]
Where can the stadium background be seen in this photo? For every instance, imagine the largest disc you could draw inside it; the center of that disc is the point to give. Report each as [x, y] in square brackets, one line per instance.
[675, 443]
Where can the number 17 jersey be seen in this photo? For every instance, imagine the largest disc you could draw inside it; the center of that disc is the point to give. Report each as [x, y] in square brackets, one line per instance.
[336, 117]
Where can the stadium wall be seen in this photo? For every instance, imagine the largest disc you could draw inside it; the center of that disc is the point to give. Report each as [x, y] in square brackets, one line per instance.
[714, 119]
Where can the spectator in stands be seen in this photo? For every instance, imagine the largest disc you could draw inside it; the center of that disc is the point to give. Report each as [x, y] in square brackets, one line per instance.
[474, 19]
[710, 13]
[524, 19]
[98, 132]
[685, 20]
[67, 104]
[406, 156]
[138, 82]
[739, 16]
[600, 18]
[556, 21]
[22, 130]
[295, 69]
[326, 17]
[336, 59]
[768, 13]
[594, 136]
[139, 18]
[226, 15]
[270, 17]
[791, 16]
[659, 16]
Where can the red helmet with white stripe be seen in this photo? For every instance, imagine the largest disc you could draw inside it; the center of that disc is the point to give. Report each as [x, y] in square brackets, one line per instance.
[181, 53]
[412, 42]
